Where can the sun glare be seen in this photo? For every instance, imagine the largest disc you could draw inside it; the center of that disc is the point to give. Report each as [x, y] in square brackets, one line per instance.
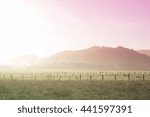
[23, 28]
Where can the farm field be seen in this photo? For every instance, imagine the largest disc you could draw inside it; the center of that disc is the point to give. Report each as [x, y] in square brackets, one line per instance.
[74, 85]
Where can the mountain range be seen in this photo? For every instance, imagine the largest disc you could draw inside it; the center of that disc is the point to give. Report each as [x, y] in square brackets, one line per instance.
[146, 52]
[95, 58]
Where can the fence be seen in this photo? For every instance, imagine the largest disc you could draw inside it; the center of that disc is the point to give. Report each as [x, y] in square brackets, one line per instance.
[75, 76]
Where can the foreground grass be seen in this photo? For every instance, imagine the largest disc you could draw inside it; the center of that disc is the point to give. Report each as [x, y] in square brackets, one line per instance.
[34, 89]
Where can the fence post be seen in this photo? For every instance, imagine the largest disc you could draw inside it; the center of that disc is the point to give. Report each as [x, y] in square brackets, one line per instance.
[115, 77]
[80, 76]
[90, 77]
[143, 77]
[129, 76]
[102, 76]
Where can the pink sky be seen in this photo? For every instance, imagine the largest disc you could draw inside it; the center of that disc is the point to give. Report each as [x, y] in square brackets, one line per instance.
[44, 27]
[103, 22]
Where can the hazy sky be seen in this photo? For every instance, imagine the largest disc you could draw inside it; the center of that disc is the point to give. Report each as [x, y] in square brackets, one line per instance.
[43, 27]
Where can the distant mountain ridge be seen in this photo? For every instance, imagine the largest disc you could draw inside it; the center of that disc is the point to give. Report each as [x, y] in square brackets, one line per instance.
[146, 52]
[99, 58]
[93, 58]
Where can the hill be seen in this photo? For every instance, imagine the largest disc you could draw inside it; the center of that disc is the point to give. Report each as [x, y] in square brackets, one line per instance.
[146, 52]
[99, 58]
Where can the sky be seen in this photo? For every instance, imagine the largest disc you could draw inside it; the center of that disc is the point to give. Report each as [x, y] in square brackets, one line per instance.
[44, 27]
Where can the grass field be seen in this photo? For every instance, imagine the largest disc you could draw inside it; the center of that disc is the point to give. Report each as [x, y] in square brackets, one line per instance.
[73, 89]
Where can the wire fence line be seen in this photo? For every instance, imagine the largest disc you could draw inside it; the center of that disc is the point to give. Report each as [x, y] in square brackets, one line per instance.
[75, 76]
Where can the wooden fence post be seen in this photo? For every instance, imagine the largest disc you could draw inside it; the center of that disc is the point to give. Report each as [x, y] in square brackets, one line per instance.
[143, 77]
[129, 76]
[115, 77]
[102, 76]
[80, 76]
[90, 77]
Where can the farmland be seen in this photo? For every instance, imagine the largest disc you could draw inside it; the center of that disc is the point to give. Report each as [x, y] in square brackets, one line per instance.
[74, 85]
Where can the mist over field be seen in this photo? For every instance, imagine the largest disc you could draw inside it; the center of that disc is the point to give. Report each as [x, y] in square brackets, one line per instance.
[93, 58]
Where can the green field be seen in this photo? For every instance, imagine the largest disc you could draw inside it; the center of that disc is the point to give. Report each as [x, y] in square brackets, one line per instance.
[38, 89]
[74, 85]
